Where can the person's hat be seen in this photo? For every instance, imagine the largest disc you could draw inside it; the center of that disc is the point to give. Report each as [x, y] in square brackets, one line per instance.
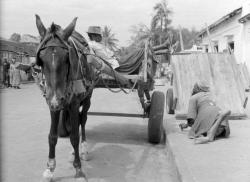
[203, 85]
[94, 30]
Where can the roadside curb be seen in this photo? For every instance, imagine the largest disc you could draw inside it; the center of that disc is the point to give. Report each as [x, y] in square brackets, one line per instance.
[182, 169]
[224, 160]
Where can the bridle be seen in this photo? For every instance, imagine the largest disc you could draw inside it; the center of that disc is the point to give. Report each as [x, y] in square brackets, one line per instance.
[65, 45]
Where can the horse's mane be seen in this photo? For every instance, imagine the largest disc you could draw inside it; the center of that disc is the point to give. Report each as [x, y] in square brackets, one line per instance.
[57, 29]
[53, 29]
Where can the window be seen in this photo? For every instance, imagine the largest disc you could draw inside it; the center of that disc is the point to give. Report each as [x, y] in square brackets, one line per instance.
[231, 47]
[206, 48]
[216, 48]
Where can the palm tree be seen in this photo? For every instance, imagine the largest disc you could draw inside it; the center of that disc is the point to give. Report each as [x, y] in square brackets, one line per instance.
[160, 20]
[140, 33]
[109, 39]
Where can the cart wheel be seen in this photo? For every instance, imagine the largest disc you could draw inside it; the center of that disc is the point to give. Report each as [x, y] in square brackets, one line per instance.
[170, 101]
[155, 128]
[63, 125]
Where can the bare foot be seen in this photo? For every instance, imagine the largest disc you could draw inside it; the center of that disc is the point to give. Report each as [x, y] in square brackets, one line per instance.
[183, 126]
[224, 115]
[201, 140]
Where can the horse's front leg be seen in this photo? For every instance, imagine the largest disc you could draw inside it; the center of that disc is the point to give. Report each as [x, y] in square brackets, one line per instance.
[74, 139]
[51, 164]
[83, 120]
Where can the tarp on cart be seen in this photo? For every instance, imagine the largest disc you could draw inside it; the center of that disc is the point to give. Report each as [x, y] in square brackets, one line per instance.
[131, 63]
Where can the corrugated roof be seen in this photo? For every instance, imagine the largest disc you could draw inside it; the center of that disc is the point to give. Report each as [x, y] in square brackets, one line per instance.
[17, 47]
[221, 20]
[245, 18]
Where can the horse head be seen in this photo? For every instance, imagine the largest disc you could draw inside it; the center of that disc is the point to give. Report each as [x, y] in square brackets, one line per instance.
[53, 57]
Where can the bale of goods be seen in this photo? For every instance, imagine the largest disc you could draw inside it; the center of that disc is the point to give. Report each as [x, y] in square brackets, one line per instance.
[220, 70]
[244, 74]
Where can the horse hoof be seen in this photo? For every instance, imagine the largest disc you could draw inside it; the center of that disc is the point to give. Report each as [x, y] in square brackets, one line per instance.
[84, 151]
[47, 175]
[80, 176]
[81, 179]
[85, 156]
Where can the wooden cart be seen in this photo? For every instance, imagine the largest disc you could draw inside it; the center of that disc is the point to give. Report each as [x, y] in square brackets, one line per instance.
[153, 105]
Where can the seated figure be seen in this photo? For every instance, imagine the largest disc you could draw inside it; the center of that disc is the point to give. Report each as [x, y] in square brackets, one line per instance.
[207, 121]
[97, 48]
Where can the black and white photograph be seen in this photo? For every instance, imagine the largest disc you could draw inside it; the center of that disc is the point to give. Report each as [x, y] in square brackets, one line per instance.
[124, 91]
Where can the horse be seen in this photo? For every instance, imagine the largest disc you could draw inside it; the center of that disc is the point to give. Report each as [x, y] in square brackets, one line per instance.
[67, 90]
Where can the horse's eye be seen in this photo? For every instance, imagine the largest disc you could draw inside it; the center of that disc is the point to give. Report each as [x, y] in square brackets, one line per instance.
[42, 52]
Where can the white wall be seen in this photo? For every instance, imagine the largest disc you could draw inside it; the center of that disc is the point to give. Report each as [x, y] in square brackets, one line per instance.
[245, 44]
[240, 35]
[230, 28]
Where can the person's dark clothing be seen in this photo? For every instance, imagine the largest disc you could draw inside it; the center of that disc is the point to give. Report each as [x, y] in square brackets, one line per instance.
[6, 67]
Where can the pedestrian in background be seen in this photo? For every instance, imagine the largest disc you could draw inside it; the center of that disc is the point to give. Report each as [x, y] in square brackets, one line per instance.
[6, 76]
[11, 72]
[16, 76]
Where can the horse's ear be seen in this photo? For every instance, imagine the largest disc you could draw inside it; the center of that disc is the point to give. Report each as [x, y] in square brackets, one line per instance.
[69, 29]
[40, 26]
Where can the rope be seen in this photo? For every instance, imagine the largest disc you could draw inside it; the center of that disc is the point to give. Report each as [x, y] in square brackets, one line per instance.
[79, 56]
[120, 88]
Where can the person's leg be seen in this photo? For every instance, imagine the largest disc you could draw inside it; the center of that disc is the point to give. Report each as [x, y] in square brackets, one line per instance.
[212, 131]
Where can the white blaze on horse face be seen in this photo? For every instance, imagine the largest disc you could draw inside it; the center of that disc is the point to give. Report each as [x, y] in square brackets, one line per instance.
[53, 59]
[54, 101]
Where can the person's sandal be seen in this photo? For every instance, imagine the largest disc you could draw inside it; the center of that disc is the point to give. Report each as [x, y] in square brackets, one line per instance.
[183, 126]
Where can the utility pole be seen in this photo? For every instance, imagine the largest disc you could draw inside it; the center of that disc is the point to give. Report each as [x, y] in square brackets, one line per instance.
[209, 38]
[181, 40]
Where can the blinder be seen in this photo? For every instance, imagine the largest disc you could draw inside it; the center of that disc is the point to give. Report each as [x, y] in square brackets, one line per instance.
[43, 46]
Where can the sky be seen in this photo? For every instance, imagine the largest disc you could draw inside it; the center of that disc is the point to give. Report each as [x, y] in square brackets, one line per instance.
[19, 15]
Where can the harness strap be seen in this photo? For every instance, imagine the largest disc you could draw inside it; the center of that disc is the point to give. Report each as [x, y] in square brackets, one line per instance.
[79, 56]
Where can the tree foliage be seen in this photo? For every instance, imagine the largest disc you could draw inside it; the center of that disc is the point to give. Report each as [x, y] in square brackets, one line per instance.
[15, 37]
[160, 30]
[109, 39]
[140, 33]
[160, 21]
[189, 37]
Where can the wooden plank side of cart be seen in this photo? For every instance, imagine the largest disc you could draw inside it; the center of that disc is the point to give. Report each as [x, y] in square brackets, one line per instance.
[219, 69]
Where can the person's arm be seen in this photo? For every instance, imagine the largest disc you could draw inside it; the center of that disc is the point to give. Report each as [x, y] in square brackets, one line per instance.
[192, 111]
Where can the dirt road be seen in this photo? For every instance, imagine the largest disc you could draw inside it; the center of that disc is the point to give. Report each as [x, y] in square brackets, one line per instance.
[118, 147]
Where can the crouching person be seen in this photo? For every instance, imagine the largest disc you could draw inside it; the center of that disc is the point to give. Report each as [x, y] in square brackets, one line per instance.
[207, 121]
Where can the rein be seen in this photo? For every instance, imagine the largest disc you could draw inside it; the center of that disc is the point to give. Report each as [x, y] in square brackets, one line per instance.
[68, 92]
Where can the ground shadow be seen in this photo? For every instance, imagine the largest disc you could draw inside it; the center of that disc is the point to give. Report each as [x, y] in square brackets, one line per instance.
[118, 133]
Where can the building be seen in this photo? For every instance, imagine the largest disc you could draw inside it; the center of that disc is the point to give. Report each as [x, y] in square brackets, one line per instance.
[23, 52]
[231, 33]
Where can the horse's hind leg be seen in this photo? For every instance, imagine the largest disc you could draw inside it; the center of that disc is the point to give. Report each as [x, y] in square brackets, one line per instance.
[83, 120]
[51, 164]
[74, 139]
